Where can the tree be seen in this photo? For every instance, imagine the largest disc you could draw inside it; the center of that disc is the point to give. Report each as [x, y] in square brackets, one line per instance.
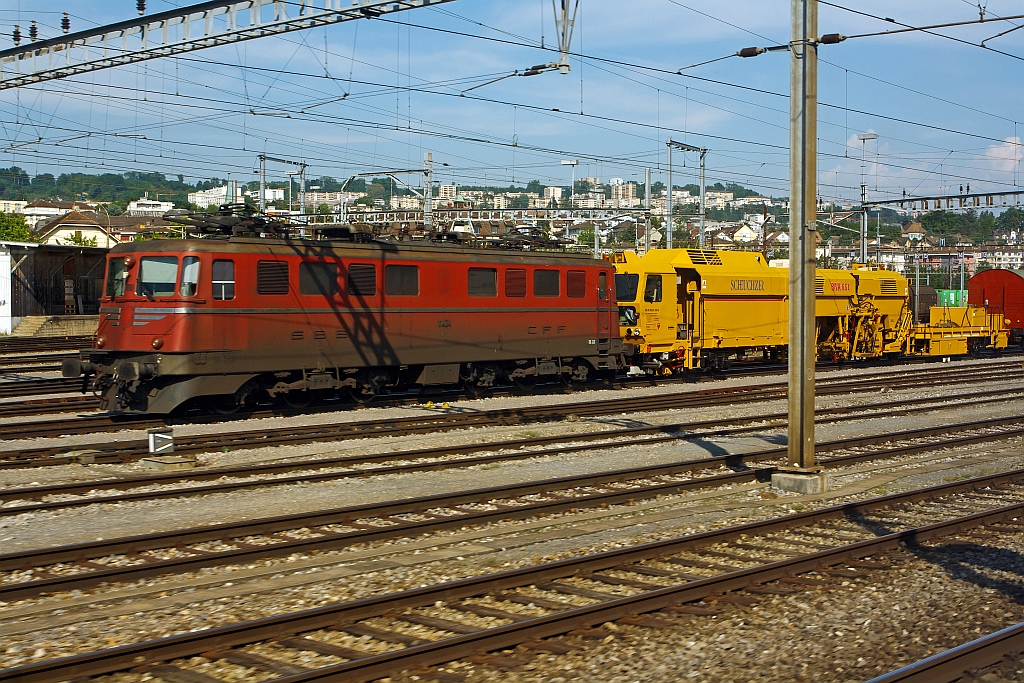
[520, 202]
[534, 187]
[116, 208]
[323, 209]
[80, 240]
[13, 228]
[585, 236]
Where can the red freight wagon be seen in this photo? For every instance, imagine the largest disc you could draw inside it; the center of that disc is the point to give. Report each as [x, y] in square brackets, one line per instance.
[1001, 291]
[246, 318]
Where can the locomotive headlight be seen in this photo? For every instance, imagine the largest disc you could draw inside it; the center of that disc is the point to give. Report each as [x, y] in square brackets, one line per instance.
[129, 261]
[158, 342]
[100, 342]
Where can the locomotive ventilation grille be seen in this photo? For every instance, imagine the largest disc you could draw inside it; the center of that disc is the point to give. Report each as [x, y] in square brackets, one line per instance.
[704, 258]
[819, 285]
[889, 288]
[272, 277]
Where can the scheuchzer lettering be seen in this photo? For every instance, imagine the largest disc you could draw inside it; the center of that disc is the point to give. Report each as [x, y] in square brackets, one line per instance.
[746, 285]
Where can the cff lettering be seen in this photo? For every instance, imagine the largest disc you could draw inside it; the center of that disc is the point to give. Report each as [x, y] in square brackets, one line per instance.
[746, 285]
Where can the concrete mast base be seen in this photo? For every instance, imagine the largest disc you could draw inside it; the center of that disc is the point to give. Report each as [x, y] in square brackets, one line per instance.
[803, 481]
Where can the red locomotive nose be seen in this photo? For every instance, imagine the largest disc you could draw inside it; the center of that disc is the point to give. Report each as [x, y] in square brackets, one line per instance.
[158, 342]
[100, 342]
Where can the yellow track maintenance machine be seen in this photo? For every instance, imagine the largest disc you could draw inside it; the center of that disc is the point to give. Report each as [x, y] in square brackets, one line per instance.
[690, 309]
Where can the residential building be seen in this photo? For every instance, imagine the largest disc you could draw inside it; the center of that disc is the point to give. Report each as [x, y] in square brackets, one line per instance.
[75, 228]
[215, 196]
[501, 201]
[748, 201]
[552, 192]
[12, 206]
[616, 181]
[592, 181]
[913, 231]
[448, 191]
[624, 195]
[43, 210]
[148, 207]
[406, 202]
[717, 200]
[271, 194]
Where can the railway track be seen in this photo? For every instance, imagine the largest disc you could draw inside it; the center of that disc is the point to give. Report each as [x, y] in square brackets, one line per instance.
[123, 451]
[37, 344]
[366, 639]
[967, 662]
[72, 567]
[235, 478]
[38, 387]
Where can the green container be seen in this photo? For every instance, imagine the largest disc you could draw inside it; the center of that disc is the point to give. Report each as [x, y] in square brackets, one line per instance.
[951, 297]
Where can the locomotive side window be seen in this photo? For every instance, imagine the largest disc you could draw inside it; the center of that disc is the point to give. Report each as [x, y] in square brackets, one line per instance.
[362, 279]
[545, 283]
[272, 277]
[318, 278]
[402, 281]
[189, 276]
[602, 286]
[158, 276]
[223, 276]
[626, 285]
[652, 289]
[515, 283]
[116, 275]
[483, 282]
[576, 284]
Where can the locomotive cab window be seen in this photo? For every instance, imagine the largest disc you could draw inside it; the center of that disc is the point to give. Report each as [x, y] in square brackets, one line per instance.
[576, 284]
[515, 283]
[318, 278]
[362, 279]
[402, 280]
[223, 279]
[158, 276]
[483, 282]
[626, 286]
[117, 273]
[272, 277]
[189, 276]
[652, 289]
[545, 283]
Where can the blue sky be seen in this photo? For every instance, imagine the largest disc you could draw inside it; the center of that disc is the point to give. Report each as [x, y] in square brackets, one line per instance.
[944, 111]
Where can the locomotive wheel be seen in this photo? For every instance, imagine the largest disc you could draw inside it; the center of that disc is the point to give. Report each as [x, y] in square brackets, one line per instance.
[369, 387]
[581, 374]
[225, 404]
[297, 399]
[525, 384]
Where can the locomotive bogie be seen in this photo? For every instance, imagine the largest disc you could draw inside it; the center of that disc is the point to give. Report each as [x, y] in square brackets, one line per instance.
[276, 318]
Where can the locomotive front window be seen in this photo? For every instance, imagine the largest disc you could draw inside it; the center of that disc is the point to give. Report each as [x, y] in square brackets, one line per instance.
[545, 283]
[626, 285]
[223, 275]
[483, 282]
[652, 290]
[402, 281]
[318, 278]
[117, 273]
[189, 276]
[158, 276]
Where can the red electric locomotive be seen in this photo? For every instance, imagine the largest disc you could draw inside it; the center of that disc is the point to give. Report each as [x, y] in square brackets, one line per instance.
[238, 320]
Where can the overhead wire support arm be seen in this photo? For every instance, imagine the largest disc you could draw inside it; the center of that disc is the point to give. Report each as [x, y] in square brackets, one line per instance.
[179, 31]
